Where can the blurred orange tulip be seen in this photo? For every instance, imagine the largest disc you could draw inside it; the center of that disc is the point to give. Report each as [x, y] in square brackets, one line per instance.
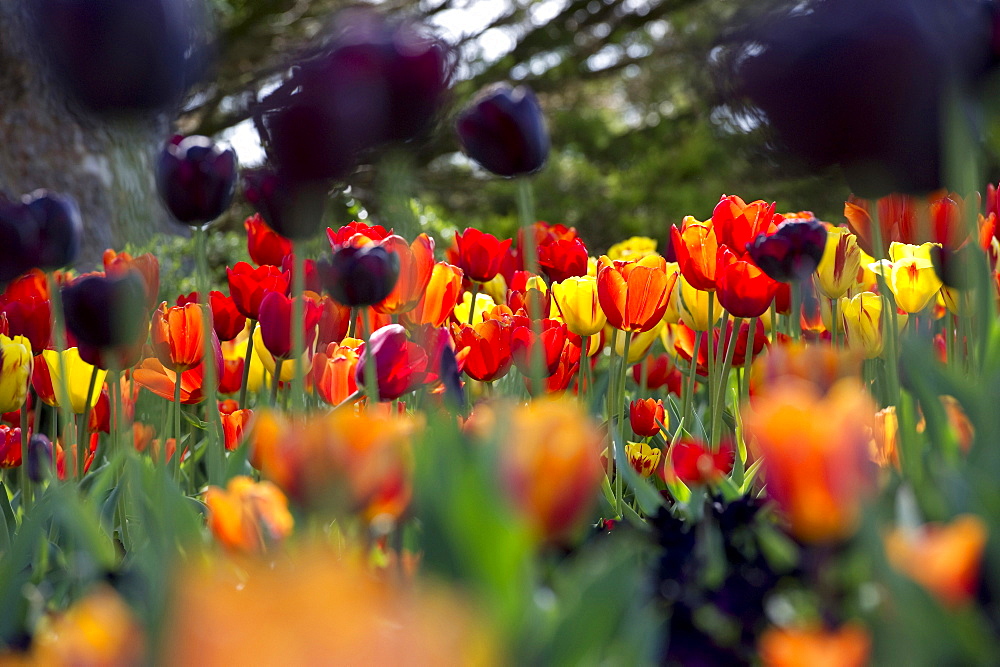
[248, 516]
[847, 646]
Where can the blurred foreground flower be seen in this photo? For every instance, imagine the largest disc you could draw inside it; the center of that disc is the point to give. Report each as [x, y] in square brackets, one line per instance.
[196, 178]
[848, 646]
[944, 558]
[315, 606]
[248, 516]
[816, 451]
[550, 466]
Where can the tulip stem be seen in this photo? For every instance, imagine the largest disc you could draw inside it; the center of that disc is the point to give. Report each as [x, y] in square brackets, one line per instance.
[526, 212]
[581, 375]
[834, 303]
[612, 410]
[796, 314]
[472, 303]
[748, 362]
[720, 399]
[25, 479]
[298, 326]
[84, 428]
[621, 406]
[59, 338]
[276, 380]
[177, 423]
[371, 372]
[246, 365]
[692, 373]
[216, 454]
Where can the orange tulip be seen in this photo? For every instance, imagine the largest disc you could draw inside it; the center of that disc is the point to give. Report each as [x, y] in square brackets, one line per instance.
[635, 295]
[416, 265]
[178, 337]
[696, 246]
[440, 297]
[248, 516]
[737, 223]
[234, 425]
[333, 371]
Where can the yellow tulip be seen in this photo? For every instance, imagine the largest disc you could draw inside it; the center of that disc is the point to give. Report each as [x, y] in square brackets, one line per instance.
[632, 248]
[693, 306]
[267, 360]
[78, 374]
[484, 304]
[496, 289]
[643, 458]
[914, 283]
[862, 317]
[838, 268]
[900, 251]
[673, 314]
[866, 280]
[577, 301]
[959, 302]
[237, 349]
[15, 371]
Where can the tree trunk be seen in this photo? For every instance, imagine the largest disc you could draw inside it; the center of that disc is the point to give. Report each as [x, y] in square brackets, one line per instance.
[45, 142]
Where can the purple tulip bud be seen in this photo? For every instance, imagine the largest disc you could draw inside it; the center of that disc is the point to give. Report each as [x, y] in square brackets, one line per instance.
[106, 312]
[378, 82]
[864, 84]
[291, 207]
[119, 56]
[359, 276]
[792, 252]
[196, 178]
[39, 457]
[503, 129]
[17, 232]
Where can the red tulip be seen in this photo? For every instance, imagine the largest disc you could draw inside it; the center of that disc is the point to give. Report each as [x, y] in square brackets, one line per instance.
[400, 364]
[248, 286]
[737, 223]
[635, 295]
[741, 287]
[265, 245]
[276, 324]
[444, 289]
[349, 234]
[546, 346]
[226, 317]
[487, 347]
[563, 258]
[660, 372]
[646, 415]
[31, 317]
[692, 462]
[480, 254]
[146, 265]
[234, 425]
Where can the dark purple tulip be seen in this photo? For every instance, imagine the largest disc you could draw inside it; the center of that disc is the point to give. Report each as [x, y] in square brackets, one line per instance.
[400, 364]
[291, 207]
[360, 276]
[864, 84]
[119, 56]
[504, 131]
[196, 178]
[58, 229]
[106, 312]
[792, 252]
[377, 82]
[39, 457]
[17, 232]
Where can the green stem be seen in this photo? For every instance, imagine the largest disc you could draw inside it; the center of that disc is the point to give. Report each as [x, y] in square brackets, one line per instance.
[276, 381]
[371, 372]
[25, 480]
[213, 426]
[720, 400]
[796, 314]
[298, 326]
[62, 391]
[84, 426]
[748, 362]
[177, 424]
[581, 374]
[834, 322]
[526, 213]
[688, 402]
[472, 303]
[612, 410]
[246, 365]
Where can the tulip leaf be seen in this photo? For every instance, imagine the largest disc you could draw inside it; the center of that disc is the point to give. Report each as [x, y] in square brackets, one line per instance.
[9, 520]
[751, 476]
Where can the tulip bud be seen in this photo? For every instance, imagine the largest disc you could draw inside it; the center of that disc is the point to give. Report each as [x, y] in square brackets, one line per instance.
[400, 364]
[196, 178]
[504, 131]
[121, 56]
[58, 227]
[792, 252]
[360, 276]
[39, 457]
[646, 416]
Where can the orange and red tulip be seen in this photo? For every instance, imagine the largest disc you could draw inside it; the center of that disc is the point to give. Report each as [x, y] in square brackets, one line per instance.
[416, 265]
[742, 287]
[696, 247]
[264, 245]
[635, 295]
[177, 336]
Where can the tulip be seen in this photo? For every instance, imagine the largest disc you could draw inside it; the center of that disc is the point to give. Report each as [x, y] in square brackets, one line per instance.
[634, 295]
[248, 286]
[503, 129]
[416, 266]
[579, 305]
[862, 316]
[439, 298]
[644, 459]
[792, 252]
[945, 559]
[480, 254]
[248, 516]
[462, 311]
[196, 178]
[146, 265]
[694, 305]
[400, 364]
[376, 82]
[333, 371]
[276, 324]
[737, 223]
[39, 457]
[640, 342]
[543, 347]
[233, 426]
[562, 259]
[659, 372]
[227, 320]
[487, 346]
[106, 312]
[693, 463]
[43, 230]
[696, 247]
[360, 276]
[162, 381]
[914, 283]
[549, 467]
[646, 416]
[177, 336]
[847, 646]
[815, 446]
[293, 208]
[31, 317]
[264, 245]
[47, 377]
[632, 248]
[741, 287]
[356, 233]
[838, 268]
[10, 447]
